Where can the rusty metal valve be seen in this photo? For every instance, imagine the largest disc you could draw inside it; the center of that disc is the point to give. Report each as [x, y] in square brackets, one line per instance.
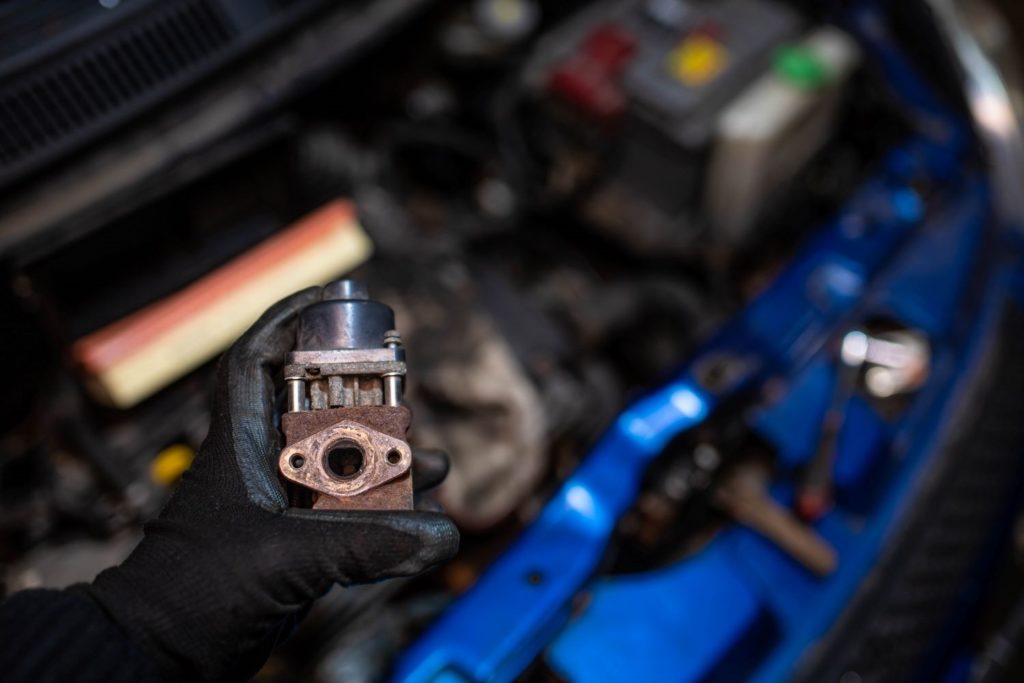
[345, 425]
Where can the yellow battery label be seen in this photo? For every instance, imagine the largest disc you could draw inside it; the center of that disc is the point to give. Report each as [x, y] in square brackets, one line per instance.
[697, 60]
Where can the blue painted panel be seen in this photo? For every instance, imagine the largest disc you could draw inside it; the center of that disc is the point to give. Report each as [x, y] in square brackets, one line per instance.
[793, 422]
[862, 442]
[709, 607]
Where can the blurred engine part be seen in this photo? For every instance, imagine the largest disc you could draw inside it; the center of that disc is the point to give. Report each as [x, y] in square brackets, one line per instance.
[345, 425]
[477, 403]
[469, 391]
[234, 109]
[893, 361]
[488, 29]
[674, 120]
[773, 128]
[72, 71]
[745, 497]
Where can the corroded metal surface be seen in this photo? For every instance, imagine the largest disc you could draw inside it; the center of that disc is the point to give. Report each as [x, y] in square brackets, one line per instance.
[377, 430]
[381, 457]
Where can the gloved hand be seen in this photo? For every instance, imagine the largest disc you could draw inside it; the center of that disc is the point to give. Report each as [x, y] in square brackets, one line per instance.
[227, 565]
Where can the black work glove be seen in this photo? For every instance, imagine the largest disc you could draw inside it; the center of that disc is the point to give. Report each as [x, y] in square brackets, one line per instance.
[227, 566]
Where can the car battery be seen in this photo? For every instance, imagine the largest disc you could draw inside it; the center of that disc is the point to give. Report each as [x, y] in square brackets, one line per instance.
[634, 90]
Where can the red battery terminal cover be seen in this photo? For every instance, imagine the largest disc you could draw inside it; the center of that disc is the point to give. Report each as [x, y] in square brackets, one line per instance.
[588, 80]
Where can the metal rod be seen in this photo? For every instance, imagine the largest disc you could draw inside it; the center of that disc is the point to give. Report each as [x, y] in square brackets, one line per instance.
[296, 395]
[392, 390]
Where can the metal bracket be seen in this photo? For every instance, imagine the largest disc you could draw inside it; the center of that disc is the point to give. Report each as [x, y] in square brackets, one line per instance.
[384, 458]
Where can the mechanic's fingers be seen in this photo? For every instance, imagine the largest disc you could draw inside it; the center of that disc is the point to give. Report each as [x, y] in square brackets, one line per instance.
[361, 546]
[429, 468]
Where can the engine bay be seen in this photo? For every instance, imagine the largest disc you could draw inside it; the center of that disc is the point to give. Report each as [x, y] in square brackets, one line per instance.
[566, 205]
